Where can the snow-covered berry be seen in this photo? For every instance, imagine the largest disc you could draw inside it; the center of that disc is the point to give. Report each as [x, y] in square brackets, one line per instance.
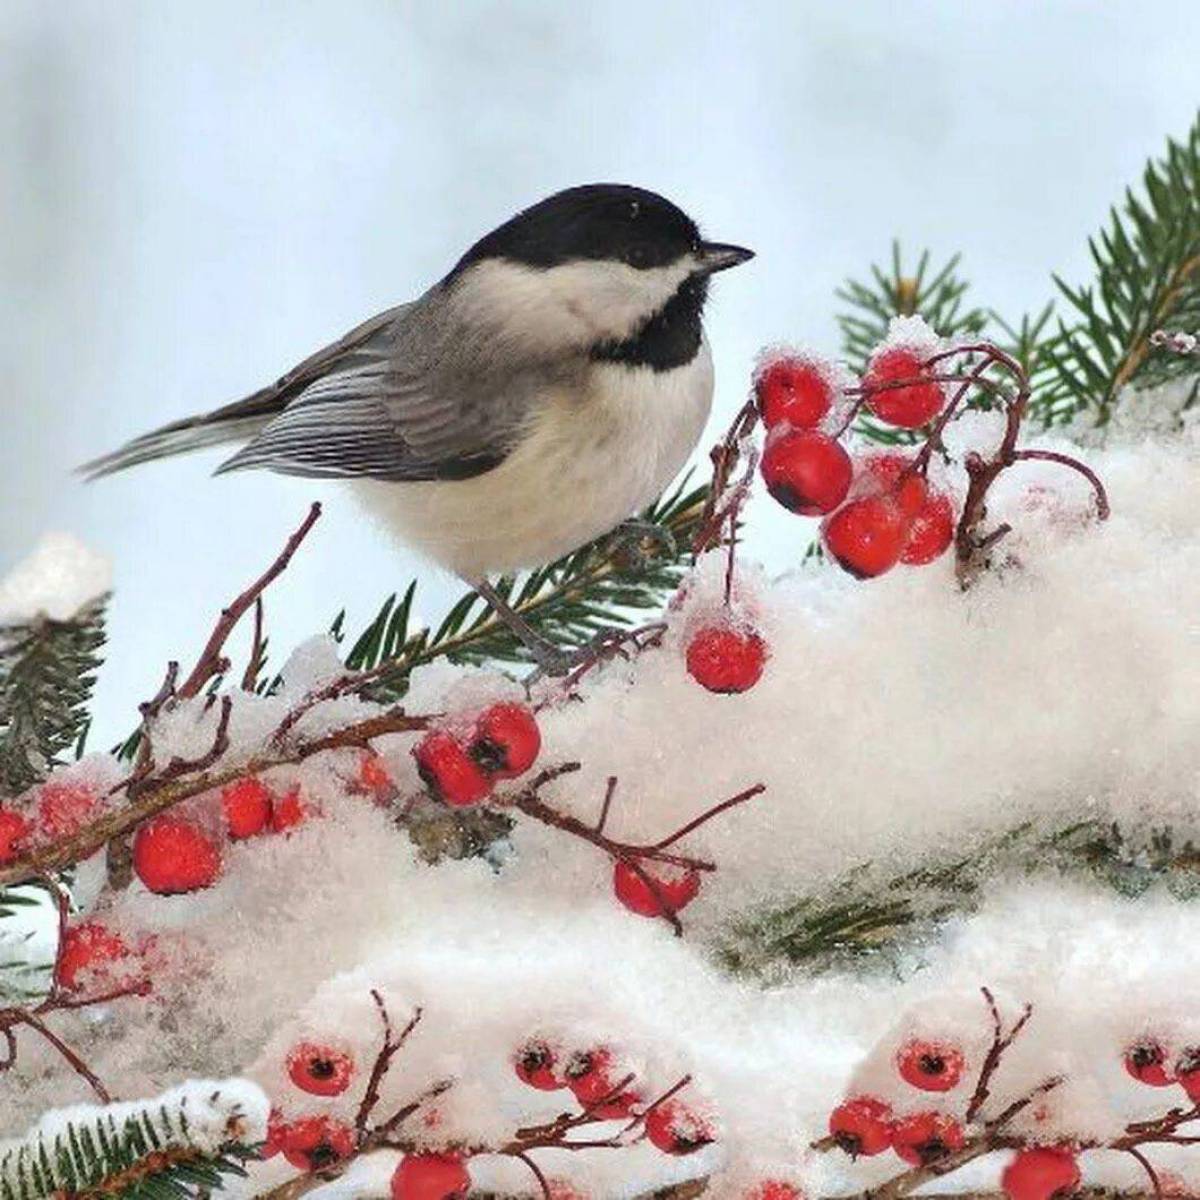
[890, 472]
[507, 740]
[930, 1066]
[867, 536]
[793, 390]
[862, 1125]
[1187, 1072]
[86, 949]
[430, 1177]
[726, 660]
[313, 1143]
[246, 804]
[773, 1189]
[63, 808]
[290, 810]
[320, 1070]
[1146, 1061]
[931, 531]
[374, 777]
[676, 887]
[172, 854]
[895, 400]
[535, 1065]
[449, 772]
[1040, 1172]
[674, 1128]
[598, 1084]
[926, 1137]
[14, 829]
[806, 471]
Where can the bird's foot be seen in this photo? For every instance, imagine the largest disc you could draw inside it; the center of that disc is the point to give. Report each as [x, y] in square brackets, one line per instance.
[570, 666]
[636, 544]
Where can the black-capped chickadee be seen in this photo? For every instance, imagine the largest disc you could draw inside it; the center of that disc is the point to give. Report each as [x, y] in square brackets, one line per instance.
[548, 388]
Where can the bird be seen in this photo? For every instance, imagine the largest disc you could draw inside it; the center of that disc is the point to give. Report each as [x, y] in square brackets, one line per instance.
[544, 391]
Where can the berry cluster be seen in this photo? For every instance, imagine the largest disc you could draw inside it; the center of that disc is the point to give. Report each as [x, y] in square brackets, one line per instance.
[503, 744]
[56, 809]
[879, 511]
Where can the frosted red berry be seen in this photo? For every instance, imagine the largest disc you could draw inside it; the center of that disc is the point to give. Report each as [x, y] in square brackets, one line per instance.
[674, 1128]
[374, 777]
[246, 804]
[931, 531]
[924, 1138]
[911, 405]
[85, 950]
[594, 1079]
[862, 1125]
[14, 830]
[171, 854]
[793, 390]
[290, 810]
[726, 660]
[536, 1065]
[320, 1070]
[1146, 1061]
[867, 536]
[1040, 1173]
[63, 808]
[507, 740]
[930, 1066]
[276, 1131]
[449, 772]
[430, 1177]
[677, 888]
[313, 1143]
[890, 472]
[773, 1189]
[1187, 1072]
[805, 471]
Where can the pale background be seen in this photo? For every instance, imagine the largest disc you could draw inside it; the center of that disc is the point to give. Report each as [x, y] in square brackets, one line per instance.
[195, 195]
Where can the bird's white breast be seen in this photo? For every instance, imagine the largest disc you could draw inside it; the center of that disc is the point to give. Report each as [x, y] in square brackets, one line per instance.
[590, 460]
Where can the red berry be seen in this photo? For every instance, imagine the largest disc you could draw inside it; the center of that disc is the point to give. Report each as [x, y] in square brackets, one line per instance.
[313, 1143]
[290, 810]
[1039, 1173]
[908, 488]
[1187, 1072]
[14, 829]
[807, 472]
[910, 406]
[931, 531]
[534, 1065]
[925, 1138]
[930, 1066]
[85, 949]
[320, 1070]
[862, 1125]
[63, 808]
[170, 854]
[675, 1129]
[677, 888]
[794, 390]
[373, 777]
[507, 740]
[276, 1131]
[430, 1177]
[449, 771]
[773, 1189]
[726, 660]
[1146, 1061]
[593, 1078]
[247, 806]
[867, 536]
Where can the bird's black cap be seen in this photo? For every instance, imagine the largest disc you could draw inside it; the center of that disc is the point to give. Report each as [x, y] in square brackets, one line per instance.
[594, 221]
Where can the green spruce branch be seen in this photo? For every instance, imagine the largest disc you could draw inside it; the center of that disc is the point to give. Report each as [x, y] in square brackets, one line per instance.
[47, 672]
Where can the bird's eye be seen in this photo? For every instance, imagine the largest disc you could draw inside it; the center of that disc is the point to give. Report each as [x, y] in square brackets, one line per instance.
[638, 255]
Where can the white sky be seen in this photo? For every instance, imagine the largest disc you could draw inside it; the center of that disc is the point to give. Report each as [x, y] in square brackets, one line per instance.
[197, 195]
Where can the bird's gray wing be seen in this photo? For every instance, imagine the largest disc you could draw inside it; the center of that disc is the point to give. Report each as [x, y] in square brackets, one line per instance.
[393, 407]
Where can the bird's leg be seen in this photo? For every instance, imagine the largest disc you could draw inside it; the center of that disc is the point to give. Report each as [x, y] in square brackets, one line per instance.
[551, 660]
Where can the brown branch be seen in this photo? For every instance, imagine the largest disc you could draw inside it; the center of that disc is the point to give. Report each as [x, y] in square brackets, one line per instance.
[1000, 1043]
[383, 1061]
[257, 650]
[207, 666]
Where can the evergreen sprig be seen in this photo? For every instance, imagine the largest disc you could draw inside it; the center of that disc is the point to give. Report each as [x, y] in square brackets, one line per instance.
[47, 672]
[1147, 264]
[151, 1153]
[569, 601]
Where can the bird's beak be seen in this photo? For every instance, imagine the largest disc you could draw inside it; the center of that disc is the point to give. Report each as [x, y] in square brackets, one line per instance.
[719, 256]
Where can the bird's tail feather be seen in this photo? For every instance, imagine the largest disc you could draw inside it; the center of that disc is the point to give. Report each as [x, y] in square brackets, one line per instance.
[235, 422]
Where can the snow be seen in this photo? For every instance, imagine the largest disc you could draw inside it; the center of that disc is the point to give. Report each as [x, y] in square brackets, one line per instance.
[898, 723]
[59, 578]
